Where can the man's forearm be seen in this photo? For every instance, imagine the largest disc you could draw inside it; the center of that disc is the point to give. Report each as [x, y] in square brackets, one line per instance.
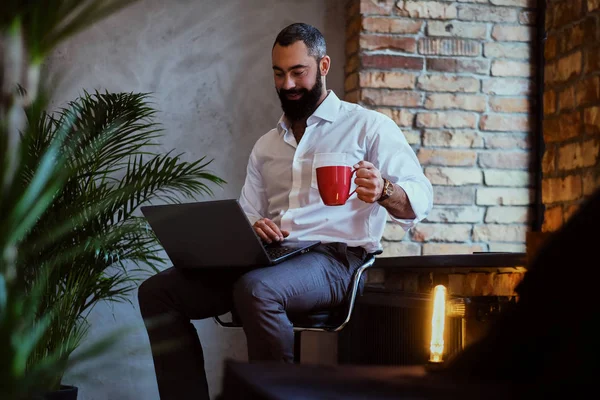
[398, 204]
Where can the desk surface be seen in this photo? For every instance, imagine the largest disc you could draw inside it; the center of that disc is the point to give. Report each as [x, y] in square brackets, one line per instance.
[275, 381]
[469, 261]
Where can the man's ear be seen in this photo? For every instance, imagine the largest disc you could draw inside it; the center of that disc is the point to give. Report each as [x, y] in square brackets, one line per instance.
[324, 65]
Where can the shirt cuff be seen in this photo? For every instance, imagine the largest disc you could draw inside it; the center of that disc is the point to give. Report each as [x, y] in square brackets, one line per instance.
[418, 202]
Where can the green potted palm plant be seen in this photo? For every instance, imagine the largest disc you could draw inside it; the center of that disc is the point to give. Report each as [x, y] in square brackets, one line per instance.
[115, 167]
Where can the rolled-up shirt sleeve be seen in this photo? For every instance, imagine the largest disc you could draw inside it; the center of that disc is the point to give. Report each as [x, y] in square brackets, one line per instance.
[253, 197]
[390, 152]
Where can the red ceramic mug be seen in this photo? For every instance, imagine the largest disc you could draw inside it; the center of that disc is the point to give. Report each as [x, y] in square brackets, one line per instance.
[334, 178]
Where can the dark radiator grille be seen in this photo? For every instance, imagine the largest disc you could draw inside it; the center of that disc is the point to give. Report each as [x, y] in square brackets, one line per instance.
[380, 334]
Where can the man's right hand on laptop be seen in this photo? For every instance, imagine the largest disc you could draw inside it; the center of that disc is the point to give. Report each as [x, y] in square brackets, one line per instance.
[268, 231]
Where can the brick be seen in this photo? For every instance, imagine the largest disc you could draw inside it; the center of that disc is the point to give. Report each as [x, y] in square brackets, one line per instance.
[393, 232]
[588, 91]
[397, 98]
[451, 248]
[511, 104]
[377, 7]
[390, 80]
[574, 36]
[515, 3]
[507, 178]
[426, 9]
[506, 122]
[549, 102]
[449, 47]
[458, 65]
[567, 99]
[395, 249]
[352, 97]
[485, 13]
[452, 138]
[412, 136]
[353, 27]
[454, 195]
[549, 160]
[505, 159]
[352, 46]
[441, 232]
[556, 190]
[445, 83]
[568, 67]
[391, 25]
[510, 141]
[508, 33]
[457, 29]
[444, 157]
[387, 42]
[512, 68]
[454, 176]
[551, 47]
[471, 214]
[592, 60]
[448, 119]
[591, 120]
[553, 219]
[352, 64]
[443, 101]
[507, 215]
[507, 86]
[593, 5]
[511, 50]
[565, 12]
[384, 61]
[527, 17]
[577, 155]
[352, 9]
[591, 182]
[351, 82]
[403, 118]
[590, 152]
[504, 196]
[499, 233]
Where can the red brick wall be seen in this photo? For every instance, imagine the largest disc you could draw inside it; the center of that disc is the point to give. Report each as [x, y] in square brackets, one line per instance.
[571, 107]
[457, 77]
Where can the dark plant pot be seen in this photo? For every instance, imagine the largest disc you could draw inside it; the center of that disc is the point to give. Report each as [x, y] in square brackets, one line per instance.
[65, 392]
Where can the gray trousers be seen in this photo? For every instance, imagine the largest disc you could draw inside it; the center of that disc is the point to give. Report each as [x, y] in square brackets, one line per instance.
[261, 297]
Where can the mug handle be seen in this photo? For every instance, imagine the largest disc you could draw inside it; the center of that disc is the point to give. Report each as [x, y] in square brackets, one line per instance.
[351, 175]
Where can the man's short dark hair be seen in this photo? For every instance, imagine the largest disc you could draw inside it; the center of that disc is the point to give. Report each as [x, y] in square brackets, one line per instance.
[311, 36]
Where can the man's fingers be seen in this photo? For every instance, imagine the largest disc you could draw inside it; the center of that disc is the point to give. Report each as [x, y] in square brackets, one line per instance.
[363, 164]
[268, 230]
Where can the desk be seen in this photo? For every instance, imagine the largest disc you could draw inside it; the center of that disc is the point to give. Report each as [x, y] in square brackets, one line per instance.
[275, 381]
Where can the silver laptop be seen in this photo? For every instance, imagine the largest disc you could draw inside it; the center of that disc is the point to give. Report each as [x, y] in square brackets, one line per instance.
[215, 234]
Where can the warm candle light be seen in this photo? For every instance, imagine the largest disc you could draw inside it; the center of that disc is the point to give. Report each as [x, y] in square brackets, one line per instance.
[437, 324]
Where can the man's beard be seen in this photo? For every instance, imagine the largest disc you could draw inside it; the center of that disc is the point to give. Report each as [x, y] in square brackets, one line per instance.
[297, 110]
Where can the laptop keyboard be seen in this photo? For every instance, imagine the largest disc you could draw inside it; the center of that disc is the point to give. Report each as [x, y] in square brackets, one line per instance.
[276, 252]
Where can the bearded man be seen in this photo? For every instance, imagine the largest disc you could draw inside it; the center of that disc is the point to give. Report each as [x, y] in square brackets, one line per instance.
[281, 199]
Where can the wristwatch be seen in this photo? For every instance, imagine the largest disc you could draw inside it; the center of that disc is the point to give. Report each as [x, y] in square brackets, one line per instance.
[388, 190]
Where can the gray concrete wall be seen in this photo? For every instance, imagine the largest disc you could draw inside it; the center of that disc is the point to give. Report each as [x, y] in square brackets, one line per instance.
[208, 65]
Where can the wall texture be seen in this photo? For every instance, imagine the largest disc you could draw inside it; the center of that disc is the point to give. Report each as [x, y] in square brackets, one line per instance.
[208, 65]
[456, 76]
[571, 108]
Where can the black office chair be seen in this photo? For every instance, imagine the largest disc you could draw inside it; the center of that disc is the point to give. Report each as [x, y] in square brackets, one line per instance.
[329, 320]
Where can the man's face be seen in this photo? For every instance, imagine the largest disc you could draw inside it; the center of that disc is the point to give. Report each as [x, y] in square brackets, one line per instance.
[297, 80]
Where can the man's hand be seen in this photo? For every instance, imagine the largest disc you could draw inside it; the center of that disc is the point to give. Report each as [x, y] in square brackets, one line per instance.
[268, 231]
[368, 181]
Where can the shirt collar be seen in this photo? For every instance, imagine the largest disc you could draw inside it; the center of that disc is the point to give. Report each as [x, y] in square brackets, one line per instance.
[328, 111]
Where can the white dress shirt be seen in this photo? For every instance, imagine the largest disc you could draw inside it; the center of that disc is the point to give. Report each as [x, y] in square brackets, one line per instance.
[281, 182]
